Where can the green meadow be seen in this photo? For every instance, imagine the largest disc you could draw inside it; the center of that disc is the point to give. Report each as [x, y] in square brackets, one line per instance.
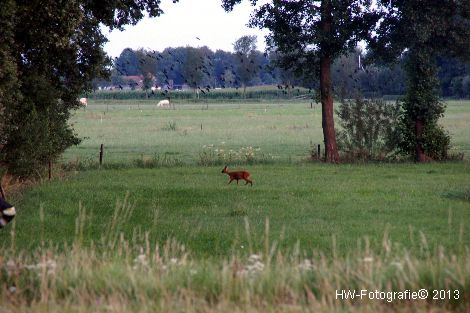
[157, 225]
[282, 131]
[168, 171]
[306, 203]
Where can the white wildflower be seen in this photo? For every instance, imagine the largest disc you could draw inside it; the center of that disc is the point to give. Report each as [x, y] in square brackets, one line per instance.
[254, 266]
[49, 266]
[10, 267]
[398, 265]
[254, 258]
[140, 261]
[306, 265]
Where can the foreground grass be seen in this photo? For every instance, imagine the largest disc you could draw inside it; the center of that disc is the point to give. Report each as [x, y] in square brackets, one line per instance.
[140, 277]
[309, 204]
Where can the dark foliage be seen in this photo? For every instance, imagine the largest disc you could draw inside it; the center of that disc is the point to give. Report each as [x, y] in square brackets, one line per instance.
[369, 128]
[426, 30]
[50, 54]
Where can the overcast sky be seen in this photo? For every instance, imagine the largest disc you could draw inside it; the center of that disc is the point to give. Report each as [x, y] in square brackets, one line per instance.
[182, 22]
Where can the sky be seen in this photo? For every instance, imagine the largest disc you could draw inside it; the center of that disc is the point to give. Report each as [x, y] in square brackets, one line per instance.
[181, 23]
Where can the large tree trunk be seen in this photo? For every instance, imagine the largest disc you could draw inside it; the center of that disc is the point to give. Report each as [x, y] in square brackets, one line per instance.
[328, 124]
[420, 155]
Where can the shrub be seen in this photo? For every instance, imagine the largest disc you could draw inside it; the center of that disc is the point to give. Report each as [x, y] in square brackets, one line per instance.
[436, 141]
[368, 128]
[170, 126]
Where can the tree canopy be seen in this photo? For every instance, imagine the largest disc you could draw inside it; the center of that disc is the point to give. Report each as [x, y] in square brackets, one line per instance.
[51, 52]
[309, 36]
[422, 30]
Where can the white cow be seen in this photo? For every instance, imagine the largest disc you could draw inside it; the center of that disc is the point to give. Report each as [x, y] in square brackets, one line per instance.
[164, 103]
[83, 102]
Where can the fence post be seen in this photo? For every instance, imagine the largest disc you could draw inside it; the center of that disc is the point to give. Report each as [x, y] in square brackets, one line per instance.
[318, 151]
[50, 169]
[101, 154]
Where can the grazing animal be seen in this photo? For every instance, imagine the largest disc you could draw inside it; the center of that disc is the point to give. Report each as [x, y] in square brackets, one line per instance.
[7, 212]
[164, 103]
[246, 176]
[83, 101]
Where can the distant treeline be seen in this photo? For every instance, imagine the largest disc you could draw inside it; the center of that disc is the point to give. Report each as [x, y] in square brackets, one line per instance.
[204, 70]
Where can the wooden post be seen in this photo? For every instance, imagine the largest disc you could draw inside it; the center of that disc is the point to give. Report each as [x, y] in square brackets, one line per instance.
[50, 169]
[311, 105]
[318, 151]
[101, 154]
[201, 126]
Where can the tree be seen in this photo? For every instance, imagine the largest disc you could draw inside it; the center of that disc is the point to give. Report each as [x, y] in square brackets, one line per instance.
[9, 84]
[222, 68]
[50, 55]
[424, 30]
[310, 35]
[245, 49]
[193, 68]
[147, 68]
[127, 64]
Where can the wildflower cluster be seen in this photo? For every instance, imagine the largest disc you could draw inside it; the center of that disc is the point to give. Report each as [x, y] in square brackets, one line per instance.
[306, 265]
[48, 267]
[213, 155]
[253, 267]
[143, 262]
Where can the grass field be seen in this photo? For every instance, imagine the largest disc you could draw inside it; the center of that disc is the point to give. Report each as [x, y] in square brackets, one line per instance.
[304, 201]
[128, 223]
[309, 203]
[133, 130]
[128, 131]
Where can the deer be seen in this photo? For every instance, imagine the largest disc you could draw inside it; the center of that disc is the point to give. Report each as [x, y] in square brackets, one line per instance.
[246, 176]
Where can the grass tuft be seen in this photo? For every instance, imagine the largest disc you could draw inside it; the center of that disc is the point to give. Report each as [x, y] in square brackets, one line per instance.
[463, 195]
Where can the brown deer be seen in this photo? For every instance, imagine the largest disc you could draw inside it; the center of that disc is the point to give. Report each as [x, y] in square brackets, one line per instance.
[238, 175]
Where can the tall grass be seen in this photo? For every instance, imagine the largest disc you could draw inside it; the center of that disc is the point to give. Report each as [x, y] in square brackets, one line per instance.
[131, 275]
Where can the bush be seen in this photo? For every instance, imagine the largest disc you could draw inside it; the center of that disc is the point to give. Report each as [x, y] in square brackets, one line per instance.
[368, 128]
[436, 141]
